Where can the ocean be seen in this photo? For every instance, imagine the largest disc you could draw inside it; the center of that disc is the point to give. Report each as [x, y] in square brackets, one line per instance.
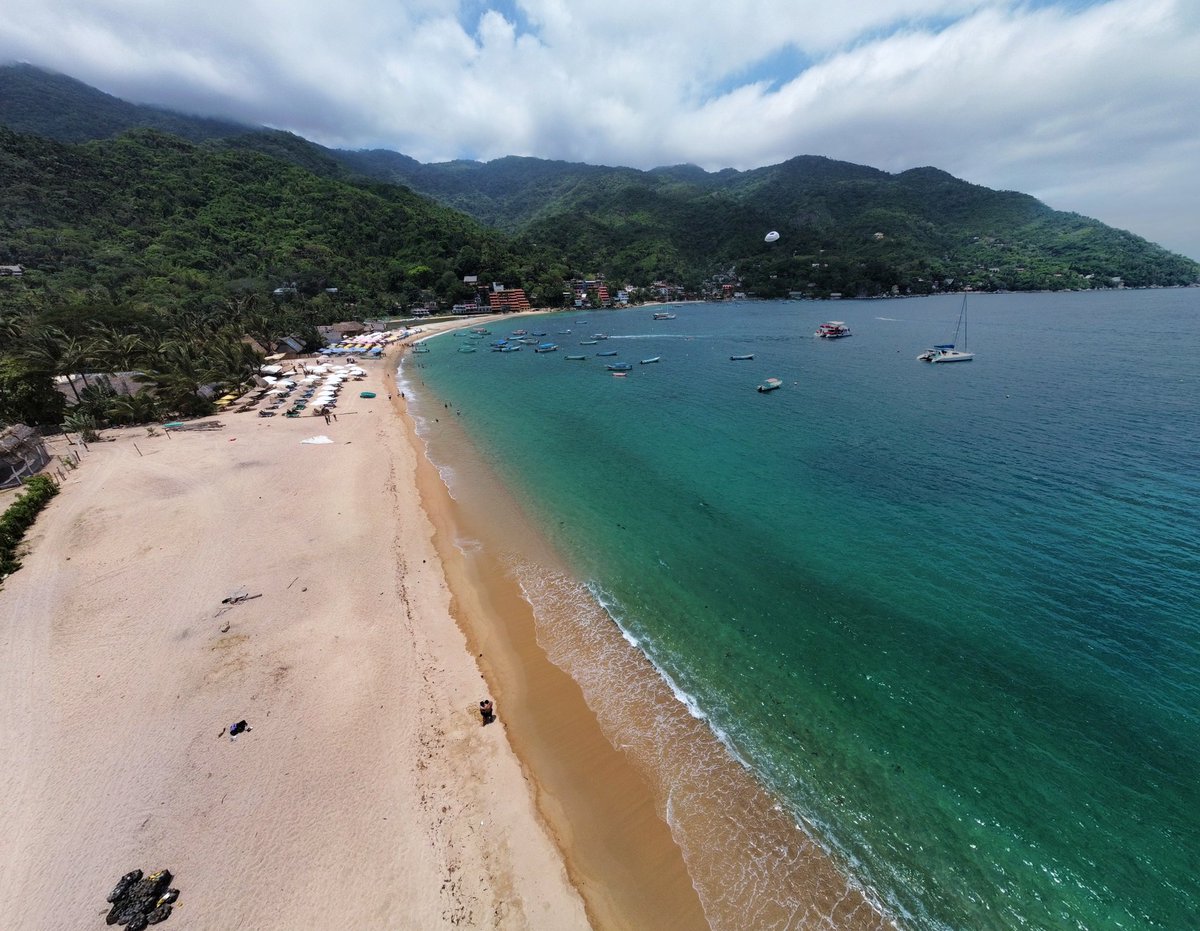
[947, 615]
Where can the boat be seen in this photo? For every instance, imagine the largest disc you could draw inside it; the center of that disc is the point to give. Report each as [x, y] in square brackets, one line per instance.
[466, 348]
[588, 342]
[770, 385]
[510, 348]
[947, 352]
[546, 347]
[599, 336]
[610, 353]
[564, 332]
[619, 374]
[482, 331]
[576, 358]
[618, 367]
[662, 315]
[834, 329]
[515, 333]
[542, 333]
[648, 361]
[744, 358]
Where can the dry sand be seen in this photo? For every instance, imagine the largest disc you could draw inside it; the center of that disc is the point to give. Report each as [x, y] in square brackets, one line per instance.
[366, 794]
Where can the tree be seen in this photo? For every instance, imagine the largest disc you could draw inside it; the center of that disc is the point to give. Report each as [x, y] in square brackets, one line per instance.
[27, 396]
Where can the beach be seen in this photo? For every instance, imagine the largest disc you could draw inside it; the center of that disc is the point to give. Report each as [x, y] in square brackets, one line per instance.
[365, 791]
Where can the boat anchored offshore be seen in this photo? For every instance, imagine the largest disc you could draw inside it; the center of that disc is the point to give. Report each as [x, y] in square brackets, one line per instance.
[662, 315]
[546, 347]
[653, 359]
[575, 358]
[612, 352]
[834, 329]
[619, 367]
[770, 385]
[744, 358]
[946, 352]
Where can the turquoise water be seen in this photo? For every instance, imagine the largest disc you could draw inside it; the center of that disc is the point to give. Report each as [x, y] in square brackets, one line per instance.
[948, 613]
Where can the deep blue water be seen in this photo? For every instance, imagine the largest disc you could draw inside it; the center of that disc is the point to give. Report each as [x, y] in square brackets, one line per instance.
[949, 613]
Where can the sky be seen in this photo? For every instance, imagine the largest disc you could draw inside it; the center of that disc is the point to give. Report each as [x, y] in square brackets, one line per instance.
[1092, 106]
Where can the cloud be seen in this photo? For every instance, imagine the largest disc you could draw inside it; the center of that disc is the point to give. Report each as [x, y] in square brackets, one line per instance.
[1083, 103]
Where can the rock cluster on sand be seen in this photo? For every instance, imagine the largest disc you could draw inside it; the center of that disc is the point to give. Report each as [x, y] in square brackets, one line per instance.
[137, 902]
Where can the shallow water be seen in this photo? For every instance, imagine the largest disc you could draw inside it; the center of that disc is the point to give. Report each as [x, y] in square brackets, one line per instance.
[947, 613]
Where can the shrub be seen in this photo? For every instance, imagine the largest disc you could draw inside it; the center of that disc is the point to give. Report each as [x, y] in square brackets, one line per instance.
[19, 517]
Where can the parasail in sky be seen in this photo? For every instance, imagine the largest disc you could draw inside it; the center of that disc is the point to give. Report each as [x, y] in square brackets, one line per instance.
[771, 236]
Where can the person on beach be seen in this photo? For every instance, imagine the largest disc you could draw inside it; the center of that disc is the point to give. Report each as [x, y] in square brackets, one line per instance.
[486, 711]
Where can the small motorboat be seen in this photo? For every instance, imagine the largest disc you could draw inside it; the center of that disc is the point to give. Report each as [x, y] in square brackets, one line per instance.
[588, 342]
[648, 361]
[770, 385]
[619, 367]
[662, 315]
[612, 353]
[748, 356]
[546, 347]
[575, 358]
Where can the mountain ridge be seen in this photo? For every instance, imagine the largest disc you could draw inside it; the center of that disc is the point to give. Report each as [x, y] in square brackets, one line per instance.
[844, 228]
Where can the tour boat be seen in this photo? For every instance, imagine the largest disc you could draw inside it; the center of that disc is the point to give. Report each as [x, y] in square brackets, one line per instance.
[834, 329]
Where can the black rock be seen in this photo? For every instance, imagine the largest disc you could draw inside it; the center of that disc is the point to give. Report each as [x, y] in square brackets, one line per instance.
[114, 913]
[162, 913]
[123, 885]
[138, 924]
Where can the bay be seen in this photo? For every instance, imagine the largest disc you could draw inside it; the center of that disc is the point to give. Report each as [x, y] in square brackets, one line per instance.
[947, 613]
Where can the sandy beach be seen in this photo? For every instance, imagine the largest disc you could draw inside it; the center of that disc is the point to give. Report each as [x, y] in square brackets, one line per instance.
[366, 792]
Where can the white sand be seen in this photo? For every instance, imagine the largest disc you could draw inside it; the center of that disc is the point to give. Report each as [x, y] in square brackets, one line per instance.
[366, 794]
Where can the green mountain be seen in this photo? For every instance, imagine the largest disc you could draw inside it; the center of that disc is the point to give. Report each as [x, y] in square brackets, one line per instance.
[843, 227]
[151, 219]
[59, 107]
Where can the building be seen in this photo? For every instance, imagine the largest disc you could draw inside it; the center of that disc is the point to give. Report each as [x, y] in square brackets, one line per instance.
[507, 300]
[11, 271]
[22, 453]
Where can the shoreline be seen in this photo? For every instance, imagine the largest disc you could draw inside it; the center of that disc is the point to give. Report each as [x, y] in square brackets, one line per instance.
[702, 789]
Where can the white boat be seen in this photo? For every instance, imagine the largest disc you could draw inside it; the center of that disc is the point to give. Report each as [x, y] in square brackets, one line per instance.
[950, 352]
[834, 329]
[663, 315]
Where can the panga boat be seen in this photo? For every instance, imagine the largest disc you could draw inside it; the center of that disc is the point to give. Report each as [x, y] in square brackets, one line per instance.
[619, 374]
[744, 358]
[588, 342]
[662, 315]
[770, 385]
[576, 358]
[515, 333]
[619, 367]
[648, 361]
[611, 353]
[466, 348]
[510, 348]
[546, 347]
[834, 329]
